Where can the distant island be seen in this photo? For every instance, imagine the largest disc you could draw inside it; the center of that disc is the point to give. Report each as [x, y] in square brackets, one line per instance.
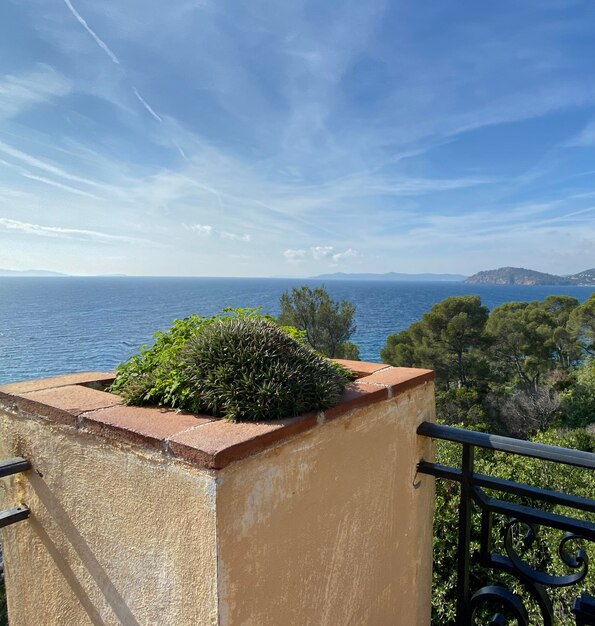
[392, 276]
[522, 276]
[4, 272]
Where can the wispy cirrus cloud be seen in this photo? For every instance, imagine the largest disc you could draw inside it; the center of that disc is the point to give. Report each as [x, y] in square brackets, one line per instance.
[19, 92]
[340, 134]
[61, 232]
[33, 161]
[111, 54]
[585, 138]
[79, 18]
[148, 106]
[53, 183]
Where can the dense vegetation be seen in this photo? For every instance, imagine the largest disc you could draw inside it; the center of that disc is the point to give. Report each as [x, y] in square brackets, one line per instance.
[525, 370]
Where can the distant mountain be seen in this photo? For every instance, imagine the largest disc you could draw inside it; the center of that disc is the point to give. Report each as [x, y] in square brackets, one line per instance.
[522, 276]
[392, 276]
[584, 278]
[4, 272]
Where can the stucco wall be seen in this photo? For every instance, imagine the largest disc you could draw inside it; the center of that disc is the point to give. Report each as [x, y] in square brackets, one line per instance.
[116, 537]
[333, 527]
[142, 517]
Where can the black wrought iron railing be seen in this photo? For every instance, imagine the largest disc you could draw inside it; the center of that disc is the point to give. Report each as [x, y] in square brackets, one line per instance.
[520, 525]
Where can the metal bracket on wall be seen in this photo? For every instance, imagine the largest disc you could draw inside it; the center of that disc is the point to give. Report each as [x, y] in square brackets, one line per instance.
[19, 513]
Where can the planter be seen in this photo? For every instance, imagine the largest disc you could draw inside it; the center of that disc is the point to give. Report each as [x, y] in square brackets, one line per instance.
[145, 516]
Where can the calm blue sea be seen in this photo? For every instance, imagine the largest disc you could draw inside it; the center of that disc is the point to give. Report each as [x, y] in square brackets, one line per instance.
[51, 326]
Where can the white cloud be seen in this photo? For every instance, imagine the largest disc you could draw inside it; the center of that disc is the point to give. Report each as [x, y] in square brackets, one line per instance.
[321, 252]
[294, 256]
[32, 161]
[111, 54]
[91, 32]
[149, 109]
[53, 183]
[234, 237]
[59, 231]
[18, 93]
[339, 256]
[205, 229]
[585, 138]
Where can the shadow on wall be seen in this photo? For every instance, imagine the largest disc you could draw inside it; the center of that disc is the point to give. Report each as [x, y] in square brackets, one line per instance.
[3, 616]
[65, 526]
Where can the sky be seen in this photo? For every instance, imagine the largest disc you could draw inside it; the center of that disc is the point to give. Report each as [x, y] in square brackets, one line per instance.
[274, 138]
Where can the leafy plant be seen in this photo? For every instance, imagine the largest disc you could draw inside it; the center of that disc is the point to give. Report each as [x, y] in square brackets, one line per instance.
[249, 369]
[155, 375]
[578, 402]
[199, 360]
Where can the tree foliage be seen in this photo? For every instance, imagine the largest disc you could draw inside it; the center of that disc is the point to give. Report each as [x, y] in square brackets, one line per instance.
[526, 370]
[518, 344]
[448, 339]
[578, 401]
[327, 324]
[581, 323]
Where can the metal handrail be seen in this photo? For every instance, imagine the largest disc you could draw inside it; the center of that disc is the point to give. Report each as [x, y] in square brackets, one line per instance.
[535, 581]
[542, 451]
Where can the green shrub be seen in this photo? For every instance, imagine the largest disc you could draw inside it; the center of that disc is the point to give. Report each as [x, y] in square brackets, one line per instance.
[578, 401]
[250, 369]
[163, 374]
[155, 376]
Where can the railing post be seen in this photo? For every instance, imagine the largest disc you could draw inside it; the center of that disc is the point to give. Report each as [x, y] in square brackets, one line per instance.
[465, 507]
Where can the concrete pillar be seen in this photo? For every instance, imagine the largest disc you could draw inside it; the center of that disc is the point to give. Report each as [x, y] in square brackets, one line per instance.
[146, 517]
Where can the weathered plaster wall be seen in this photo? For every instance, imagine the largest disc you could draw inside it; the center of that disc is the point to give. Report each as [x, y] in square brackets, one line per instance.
[116, 537]
[333, 527]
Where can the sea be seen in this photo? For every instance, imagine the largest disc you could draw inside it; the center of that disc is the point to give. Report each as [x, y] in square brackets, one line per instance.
[57, 325]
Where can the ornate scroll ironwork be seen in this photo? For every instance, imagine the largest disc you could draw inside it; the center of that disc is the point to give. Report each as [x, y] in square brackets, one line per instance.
[520, 527]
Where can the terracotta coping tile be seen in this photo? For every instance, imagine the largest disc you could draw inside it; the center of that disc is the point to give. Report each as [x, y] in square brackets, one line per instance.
[75, 399]
[82, 378]
[356, 394]
[150, 425]
[217, 444]
[40, 409]
[361, 368]
[398, 379]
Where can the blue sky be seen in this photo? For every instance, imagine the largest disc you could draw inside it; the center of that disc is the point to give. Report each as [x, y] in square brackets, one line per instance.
[220, 138]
